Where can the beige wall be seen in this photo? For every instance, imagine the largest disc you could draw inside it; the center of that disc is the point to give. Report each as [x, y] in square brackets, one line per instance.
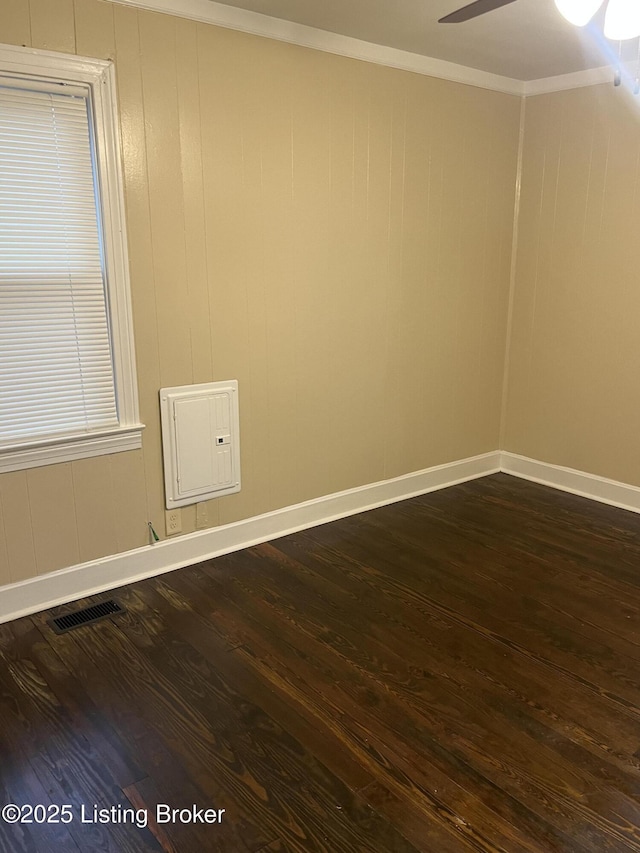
[335, 235]
[574, 378]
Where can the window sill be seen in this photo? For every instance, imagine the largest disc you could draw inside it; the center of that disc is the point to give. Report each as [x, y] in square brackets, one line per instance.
[68, 448]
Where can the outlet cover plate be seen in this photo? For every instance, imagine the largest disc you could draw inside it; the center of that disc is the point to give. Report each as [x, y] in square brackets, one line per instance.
[173, 522]
[202, 515]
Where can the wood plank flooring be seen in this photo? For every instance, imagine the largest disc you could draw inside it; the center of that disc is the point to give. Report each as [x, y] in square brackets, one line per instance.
[458, 672]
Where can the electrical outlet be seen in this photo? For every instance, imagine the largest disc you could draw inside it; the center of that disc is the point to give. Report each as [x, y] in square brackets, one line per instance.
[202, 515]
[173, 521]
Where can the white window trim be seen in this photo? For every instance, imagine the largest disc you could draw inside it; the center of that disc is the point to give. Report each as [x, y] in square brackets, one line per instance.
[49, 67]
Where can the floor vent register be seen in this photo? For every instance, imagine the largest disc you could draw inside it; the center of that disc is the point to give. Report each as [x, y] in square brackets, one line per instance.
[85, 616]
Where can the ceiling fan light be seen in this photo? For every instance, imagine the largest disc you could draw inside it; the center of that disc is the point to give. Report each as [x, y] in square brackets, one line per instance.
[622, 20]
[579, 12]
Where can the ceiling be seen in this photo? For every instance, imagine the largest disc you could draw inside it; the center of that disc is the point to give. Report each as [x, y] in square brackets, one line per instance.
[526, 40]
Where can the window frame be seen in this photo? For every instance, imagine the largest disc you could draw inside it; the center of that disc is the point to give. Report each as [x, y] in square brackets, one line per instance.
[98, 76]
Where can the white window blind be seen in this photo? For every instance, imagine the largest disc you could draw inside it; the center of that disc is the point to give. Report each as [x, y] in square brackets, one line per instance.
[56, 365]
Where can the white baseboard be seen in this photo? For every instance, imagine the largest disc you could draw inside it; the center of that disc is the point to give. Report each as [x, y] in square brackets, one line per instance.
[569, 480]
[40, 593]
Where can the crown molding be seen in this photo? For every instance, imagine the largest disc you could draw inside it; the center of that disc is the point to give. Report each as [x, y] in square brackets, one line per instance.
[255, 23]
[576, 80]
[230, 17]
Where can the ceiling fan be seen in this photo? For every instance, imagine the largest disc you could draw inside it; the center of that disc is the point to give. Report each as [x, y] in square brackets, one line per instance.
[479, 7]
[622, 19]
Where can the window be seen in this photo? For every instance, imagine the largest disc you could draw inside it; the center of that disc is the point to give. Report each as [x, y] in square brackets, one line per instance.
[67, 377]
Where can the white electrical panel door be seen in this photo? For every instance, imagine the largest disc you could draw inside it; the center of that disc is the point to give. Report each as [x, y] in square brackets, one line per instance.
[201, 442]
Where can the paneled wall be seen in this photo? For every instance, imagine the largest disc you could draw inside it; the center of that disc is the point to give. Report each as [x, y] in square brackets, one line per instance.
[574, 389]
[333, 234]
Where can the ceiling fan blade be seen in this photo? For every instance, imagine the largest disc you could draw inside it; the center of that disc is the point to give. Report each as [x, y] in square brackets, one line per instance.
[473, 10]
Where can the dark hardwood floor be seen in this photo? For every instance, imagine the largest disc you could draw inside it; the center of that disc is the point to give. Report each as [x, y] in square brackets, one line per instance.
[457, 672]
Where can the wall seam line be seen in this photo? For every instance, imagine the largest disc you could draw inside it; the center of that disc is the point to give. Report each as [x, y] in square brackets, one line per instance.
[512, 277]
